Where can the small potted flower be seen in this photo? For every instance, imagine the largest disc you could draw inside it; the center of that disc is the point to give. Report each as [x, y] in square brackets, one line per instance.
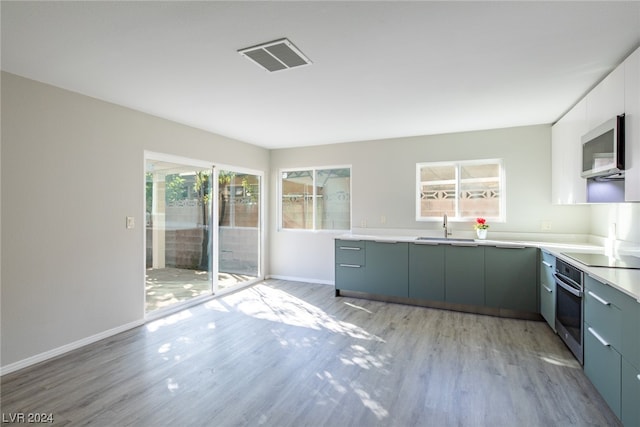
[481, 227]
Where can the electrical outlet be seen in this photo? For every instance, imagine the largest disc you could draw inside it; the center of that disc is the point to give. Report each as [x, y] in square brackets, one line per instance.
[363, 223]
[383, 219]
[545, 225]
[131, 222]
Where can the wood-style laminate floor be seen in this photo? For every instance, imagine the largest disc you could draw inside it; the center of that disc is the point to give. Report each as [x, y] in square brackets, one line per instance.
[291, 354]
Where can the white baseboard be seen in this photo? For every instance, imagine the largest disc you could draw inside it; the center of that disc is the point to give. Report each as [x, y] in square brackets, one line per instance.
[302, 279]
[12, 367]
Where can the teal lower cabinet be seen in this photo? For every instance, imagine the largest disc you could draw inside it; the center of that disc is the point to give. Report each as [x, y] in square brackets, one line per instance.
[603, 366]
[630, 362]
[350, 265]
[464, 275]
[630, 395]
[602, 312]
[426, 271]
[350, 277]
[548, 288]
[631, 331]
[511, 278]
[609, 347]
[387, 268]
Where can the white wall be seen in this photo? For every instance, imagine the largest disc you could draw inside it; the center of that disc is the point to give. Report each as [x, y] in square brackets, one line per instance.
[625, 216]
[72, 170]
[383, 184]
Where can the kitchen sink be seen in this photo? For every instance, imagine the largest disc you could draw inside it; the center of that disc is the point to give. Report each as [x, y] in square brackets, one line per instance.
[442, 239]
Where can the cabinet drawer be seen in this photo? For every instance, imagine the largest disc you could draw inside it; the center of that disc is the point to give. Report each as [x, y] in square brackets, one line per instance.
[606, 292]
[548, 304]
[547, 267]
[630, 394]
[603, 366]
[548, 258]
[350, 252]
[350, 277]
[604, 318]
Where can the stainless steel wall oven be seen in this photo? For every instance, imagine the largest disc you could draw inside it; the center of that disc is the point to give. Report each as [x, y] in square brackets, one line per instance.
[569, 306]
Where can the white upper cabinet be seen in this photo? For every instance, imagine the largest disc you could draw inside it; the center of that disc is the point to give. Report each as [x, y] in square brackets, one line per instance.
[567, 186]
[618, 93]
[606, 100]
[632, 127]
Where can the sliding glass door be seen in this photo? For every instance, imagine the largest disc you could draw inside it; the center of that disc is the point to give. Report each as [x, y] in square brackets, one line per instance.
[239, 227]
[178, 231]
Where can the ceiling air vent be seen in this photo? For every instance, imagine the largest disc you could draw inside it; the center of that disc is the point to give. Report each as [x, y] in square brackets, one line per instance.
[276, 55]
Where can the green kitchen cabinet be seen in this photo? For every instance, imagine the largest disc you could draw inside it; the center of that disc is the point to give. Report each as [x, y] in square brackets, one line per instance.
[631, 331]
[426, 271]
[511, 278]
[464, 274]
[548, 288]
[387, 268]
[630, 410]
[602, 311]
[603, 366]
[350, 265]
[612, 348]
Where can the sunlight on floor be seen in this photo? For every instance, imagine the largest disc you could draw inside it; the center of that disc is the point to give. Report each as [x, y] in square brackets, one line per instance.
[378, 410]
[169, 320]
[165, 287]
[363, 358]
[264, 302]
[284, 310]
[554, 360]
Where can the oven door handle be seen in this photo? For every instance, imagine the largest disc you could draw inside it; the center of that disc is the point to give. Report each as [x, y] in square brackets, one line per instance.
[566, 286]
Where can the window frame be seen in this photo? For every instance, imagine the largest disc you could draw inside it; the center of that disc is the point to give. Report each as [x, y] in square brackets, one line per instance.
[501, 218]
[313, 170]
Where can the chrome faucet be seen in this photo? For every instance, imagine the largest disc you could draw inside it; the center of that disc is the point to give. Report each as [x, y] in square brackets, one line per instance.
[445, 225]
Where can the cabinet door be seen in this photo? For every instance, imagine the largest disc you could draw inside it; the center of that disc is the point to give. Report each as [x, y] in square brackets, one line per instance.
[350, 277]
[606, 100]
[603, 366]
[426, 271]
[510, 278]
[548, 289]
[567, 186]
[632, 127]
[464, 274]
[630, 395]
[387, 271]
[631, 331]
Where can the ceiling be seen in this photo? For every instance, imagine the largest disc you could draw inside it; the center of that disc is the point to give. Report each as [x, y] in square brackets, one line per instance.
[380, 69]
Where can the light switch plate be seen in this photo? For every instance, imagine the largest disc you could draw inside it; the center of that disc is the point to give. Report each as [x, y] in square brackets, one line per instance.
[131, 222]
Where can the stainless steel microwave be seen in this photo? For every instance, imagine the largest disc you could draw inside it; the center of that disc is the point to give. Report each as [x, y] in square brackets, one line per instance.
[603, 149]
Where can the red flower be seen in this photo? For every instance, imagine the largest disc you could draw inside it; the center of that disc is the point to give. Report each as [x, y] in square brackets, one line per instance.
[481, 224]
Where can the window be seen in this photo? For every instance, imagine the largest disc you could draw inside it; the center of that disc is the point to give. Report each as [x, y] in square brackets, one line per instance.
[316, 199]
[462, 190]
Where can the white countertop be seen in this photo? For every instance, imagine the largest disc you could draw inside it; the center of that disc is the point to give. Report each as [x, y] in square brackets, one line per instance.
[624, 280]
